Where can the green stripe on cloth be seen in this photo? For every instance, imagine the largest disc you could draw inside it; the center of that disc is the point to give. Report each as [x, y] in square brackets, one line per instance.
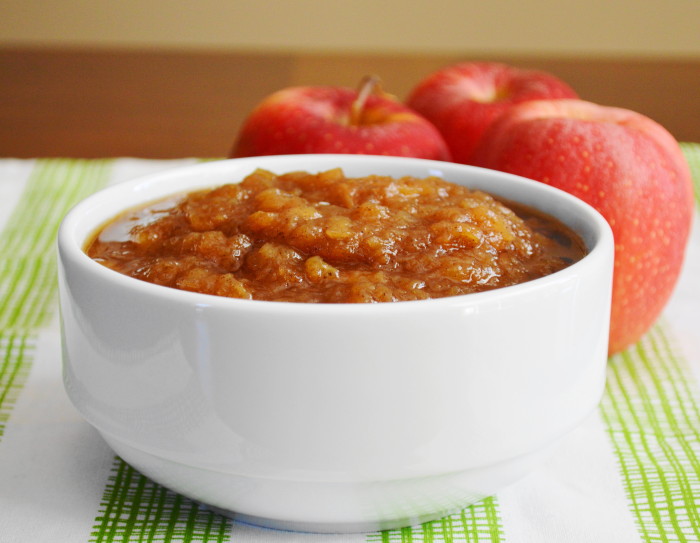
[27, 252]
[134, 508]
[652, 414]
[692, 155]
[16, 355]
[28, 264]
[475, 524]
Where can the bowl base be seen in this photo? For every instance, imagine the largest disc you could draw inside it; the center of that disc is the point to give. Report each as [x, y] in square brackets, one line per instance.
[333, 527]
[330, 507]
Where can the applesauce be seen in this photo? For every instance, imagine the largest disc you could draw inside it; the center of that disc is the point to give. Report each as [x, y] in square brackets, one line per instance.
[327, 238]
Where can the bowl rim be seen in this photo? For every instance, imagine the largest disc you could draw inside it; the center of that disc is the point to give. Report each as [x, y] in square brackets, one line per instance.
[71, 237]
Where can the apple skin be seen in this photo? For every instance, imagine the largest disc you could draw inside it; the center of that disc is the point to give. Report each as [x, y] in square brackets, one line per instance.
[626, 166]
[462, 100]
[301, 120]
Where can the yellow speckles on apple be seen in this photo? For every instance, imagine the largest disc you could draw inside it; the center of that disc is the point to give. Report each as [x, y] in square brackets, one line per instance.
[601, 194]
[561, 158]
[369, 147]
[582, 187]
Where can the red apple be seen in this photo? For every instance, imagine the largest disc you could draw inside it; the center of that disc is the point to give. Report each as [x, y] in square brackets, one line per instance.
[626, 166]
[301, 120]
[462, 100]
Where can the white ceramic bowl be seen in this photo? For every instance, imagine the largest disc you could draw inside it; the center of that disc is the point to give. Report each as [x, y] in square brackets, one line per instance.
[334, 417]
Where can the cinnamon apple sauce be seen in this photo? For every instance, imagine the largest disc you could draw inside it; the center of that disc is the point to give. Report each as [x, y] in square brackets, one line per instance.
[325, 238]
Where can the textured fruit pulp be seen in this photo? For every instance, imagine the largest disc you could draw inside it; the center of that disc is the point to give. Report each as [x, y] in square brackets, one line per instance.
[303, 237]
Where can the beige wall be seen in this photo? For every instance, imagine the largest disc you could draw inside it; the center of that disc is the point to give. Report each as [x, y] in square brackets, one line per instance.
[530, 27]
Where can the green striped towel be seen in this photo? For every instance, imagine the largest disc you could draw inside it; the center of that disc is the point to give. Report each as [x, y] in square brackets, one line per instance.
[631, 473]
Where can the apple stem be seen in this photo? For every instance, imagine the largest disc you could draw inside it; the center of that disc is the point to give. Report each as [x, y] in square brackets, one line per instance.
[370, 84]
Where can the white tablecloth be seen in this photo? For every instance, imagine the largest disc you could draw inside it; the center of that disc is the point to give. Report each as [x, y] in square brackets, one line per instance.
[631, 473]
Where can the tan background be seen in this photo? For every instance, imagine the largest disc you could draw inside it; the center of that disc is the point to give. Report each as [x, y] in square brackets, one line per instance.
[639, 28]
[165, 78]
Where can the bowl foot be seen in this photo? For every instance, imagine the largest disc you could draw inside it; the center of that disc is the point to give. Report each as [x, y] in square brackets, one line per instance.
[330, 507]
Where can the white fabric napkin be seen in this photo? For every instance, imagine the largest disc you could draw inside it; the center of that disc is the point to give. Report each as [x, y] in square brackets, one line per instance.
[630, 473]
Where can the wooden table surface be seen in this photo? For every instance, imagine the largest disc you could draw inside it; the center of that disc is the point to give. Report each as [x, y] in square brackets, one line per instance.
[168, 104]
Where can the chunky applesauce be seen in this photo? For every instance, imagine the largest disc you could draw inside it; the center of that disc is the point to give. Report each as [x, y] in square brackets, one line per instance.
[302, 237]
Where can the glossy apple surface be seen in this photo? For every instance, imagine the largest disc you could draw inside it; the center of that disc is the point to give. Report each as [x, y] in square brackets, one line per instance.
[462, 100]
[629, 168]
[302, 120]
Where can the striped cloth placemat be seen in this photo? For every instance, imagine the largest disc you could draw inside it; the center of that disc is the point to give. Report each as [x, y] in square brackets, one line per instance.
[630, 473]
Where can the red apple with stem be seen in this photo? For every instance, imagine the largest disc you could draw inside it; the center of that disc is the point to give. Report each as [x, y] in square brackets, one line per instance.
[625, 165]
[462, 100]
[300, 120]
